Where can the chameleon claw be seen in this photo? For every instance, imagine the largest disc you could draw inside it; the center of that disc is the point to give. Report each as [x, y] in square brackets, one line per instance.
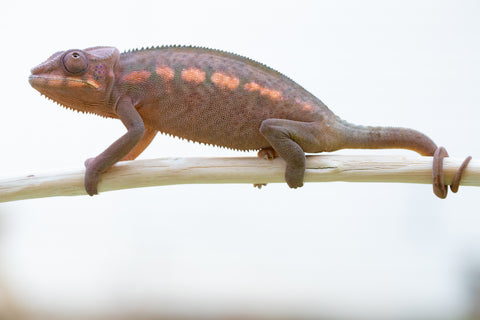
[439, 187]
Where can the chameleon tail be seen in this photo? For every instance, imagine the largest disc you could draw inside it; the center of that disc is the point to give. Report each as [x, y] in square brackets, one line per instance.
[362, 137]
[366, 137]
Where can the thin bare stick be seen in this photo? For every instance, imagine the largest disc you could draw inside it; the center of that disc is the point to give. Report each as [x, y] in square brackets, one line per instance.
[170, 171]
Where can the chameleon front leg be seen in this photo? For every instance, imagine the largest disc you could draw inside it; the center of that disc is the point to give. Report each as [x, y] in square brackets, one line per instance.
[135, 130]
[147, 138]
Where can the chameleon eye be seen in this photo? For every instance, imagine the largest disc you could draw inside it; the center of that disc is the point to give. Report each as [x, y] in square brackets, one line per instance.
[75, 62]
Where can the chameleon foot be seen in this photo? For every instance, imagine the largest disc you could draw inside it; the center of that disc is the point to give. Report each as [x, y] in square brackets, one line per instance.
[294, 176]
[439, 187]
[92, 176]
[267, 153]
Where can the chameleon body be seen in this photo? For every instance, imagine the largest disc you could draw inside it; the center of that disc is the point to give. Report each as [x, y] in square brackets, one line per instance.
[208, 96]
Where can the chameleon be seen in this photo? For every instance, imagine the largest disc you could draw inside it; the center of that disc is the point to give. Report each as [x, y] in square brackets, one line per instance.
[212, 97]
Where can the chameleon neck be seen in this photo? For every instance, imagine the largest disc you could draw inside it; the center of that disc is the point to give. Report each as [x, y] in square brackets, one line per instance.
[363, 137]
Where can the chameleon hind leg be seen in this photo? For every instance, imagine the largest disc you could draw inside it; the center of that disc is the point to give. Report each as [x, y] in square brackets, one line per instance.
[289, 139]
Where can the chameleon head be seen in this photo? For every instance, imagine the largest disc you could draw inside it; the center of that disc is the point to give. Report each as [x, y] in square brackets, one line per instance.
[78, 79]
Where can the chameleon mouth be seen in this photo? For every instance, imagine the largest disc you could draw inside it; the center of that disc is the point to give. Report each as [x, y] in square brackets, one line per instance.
[40, 81]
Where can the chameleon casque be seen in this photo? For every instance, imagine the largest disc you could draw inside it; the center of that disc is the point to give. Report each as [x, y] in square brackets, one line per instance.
[213, 97]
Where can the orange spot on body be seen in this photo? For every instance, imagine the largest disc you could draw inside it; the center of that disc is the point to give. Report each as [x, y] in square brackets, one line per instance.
[251, 86]
[165, 72]
[307, 107]
[137, 76]
[193, 75]
[225, 81]
[274, 94]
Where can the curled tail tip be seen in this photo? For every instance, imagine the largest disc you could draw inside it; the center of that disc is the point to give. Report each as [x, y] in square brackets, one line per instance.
[458, 175]
[439, 187]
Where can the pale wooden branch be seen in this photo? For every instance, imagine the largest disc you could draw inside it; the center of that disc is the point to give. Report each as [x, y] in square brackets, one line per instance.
[170, 171]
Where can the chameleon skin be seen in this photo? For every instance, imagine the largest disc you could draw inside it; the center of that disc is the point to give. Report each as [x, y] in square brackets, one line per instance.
[208, 96]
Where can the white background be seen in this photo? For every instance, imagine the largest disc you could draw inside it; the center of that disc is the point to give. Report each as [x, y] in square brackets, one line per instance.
[328, 248]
